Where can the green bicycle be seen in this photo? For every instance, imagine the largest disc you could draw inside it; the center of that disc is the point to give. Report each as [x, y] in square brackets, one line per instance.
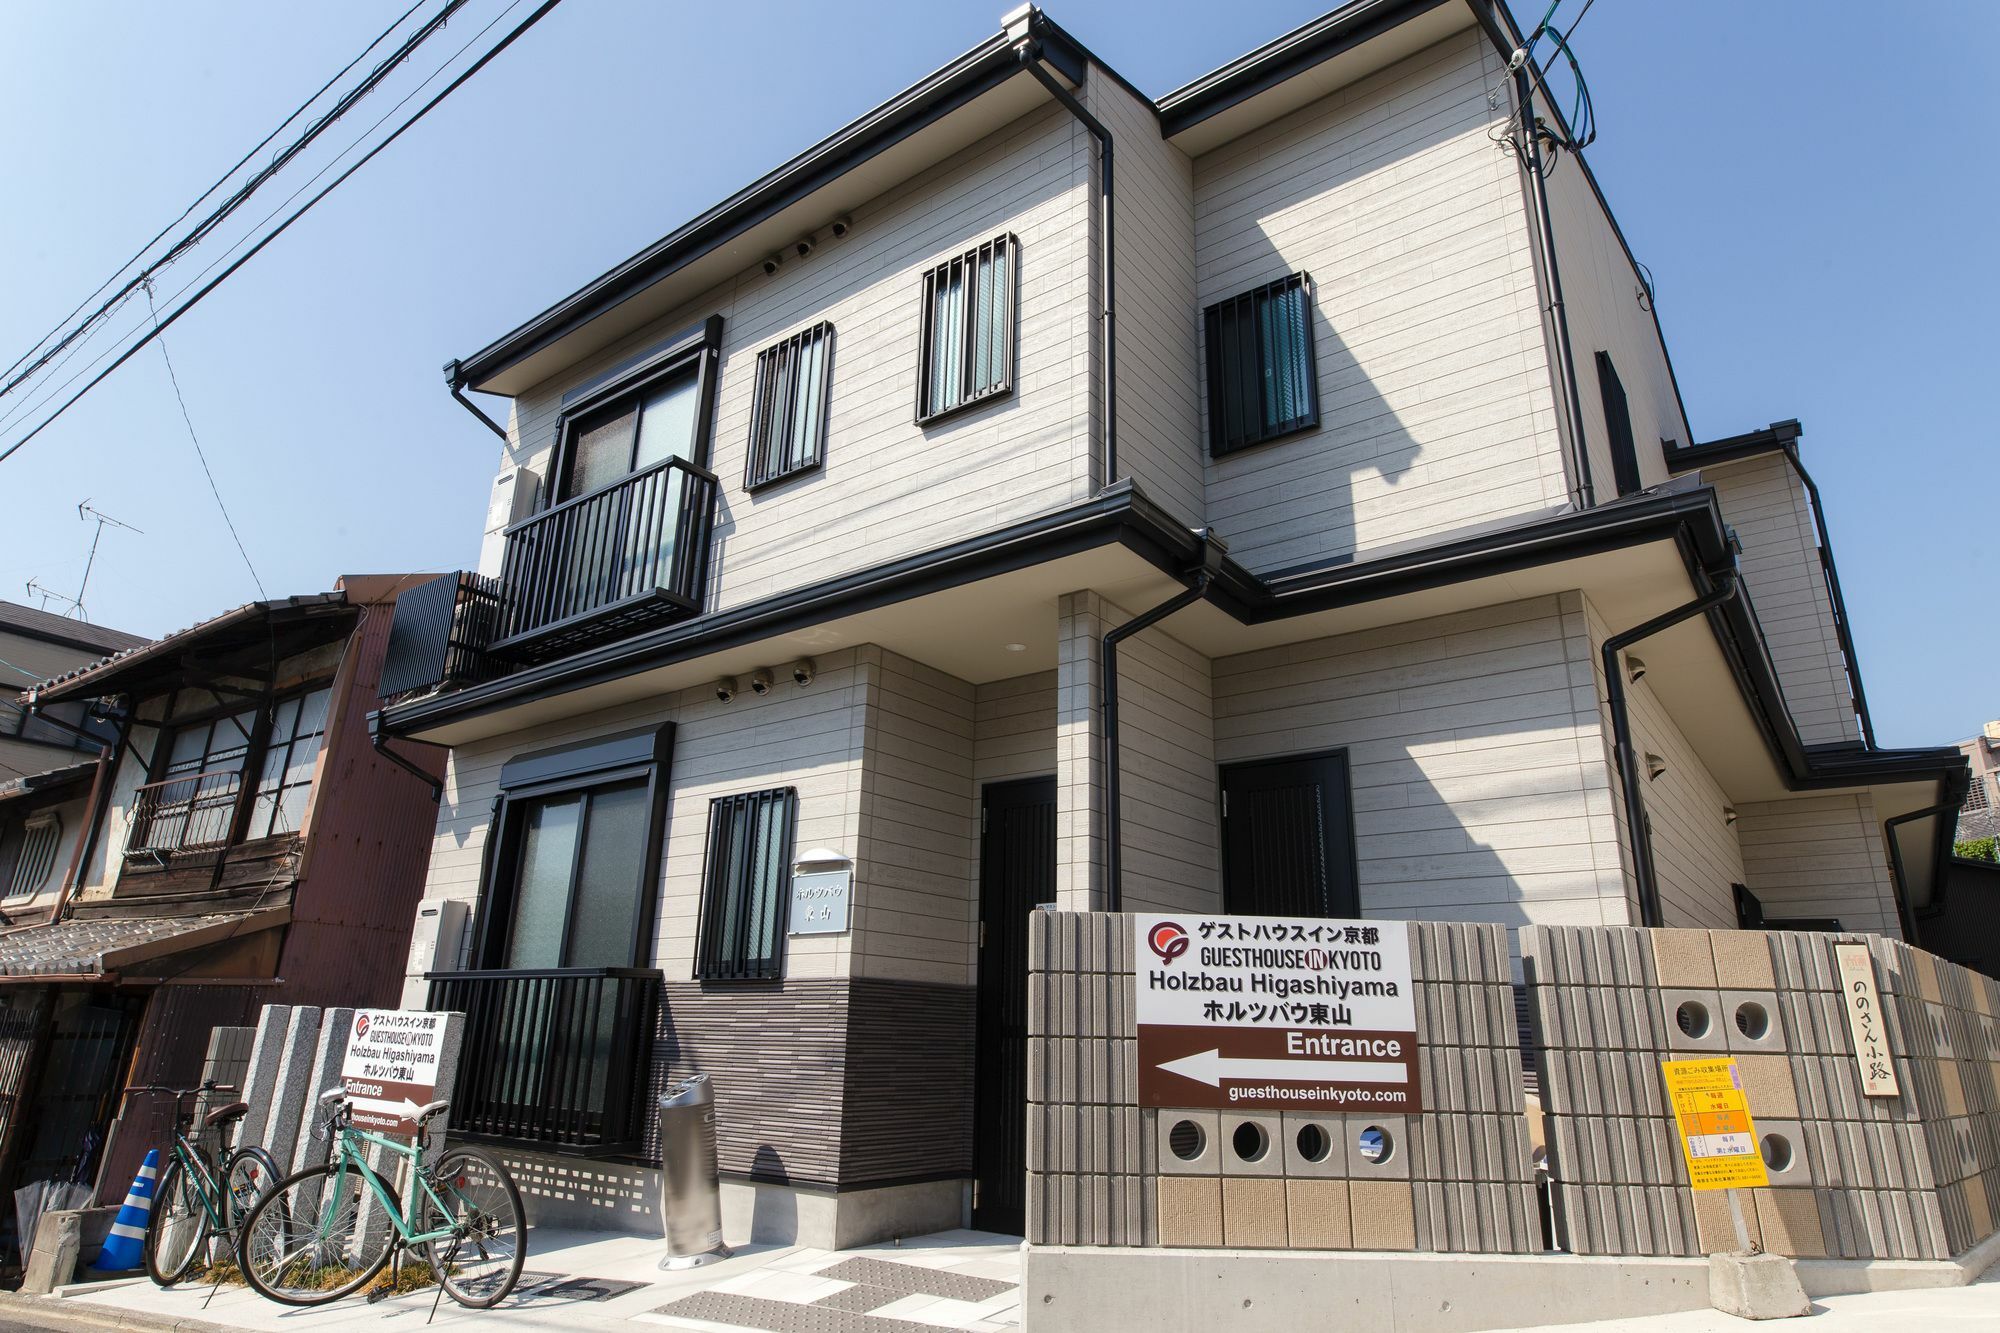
[200, 1197]
[325, 1232]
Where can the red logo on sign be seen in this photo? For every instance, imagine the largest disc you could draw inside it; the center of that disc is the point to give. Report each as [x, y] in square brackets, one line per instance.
[361, 1025]
[1167, 940]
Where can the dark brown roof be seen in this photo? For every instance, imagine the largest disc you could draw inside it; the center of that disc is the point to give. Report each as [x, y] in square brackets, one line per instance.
[32, 623]
[54, 779]
[118, 673]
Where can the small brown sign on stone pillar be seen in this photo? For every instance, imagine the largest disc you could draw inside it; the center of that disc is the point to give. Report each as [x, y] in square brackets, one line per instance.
[391, 1068]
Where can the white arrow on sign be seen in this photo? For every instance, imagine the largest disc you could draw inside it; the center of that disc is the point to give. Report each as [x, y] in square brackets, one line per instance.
[1212, 1067]
[405, 1108]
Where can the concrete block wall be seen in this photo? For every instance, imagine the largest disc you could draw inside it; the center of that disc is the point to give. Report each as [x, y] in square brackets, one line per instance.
[1105, 1172]
[1854, 1177]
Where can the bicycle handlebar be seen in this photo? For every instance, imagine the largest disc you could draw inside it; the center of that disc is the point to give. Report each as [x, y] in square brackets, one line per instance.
[209, 1085]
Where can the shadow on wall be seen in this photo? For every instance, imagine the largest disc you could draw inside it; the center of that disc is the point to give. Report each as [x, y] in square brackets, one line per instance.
[776, 1212]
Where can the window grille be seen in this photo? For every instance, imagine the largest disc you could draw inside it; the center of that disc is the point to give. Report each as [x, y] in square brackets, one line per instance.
[788, 410]
[1262, 376]
[746, 888]
[968, 329]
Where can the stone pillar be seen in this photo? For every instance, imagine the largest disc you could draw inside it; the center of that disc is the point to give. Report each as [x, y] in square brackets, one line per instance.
[1082, 618]
[260, 1080]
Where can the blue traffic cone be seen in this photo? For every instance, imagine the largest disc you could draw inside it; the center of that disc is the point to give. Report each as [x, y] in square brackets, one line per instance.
[121, 1247]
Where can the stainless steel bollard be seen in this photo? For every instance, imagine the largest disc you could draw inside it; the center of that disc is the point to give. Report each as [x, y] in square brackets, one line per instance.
[690, 1192]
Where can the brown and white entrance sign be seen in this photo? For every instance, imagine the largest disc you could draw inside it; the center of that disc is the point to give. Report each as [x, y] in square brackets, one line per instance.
[392, 1066]
[1276, 1013]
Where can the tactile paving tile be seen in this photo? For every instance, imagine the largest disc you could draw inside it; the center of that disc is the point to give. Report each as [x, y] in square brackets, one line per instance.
[858, 1299]
[723, 1307]
[912, 1280]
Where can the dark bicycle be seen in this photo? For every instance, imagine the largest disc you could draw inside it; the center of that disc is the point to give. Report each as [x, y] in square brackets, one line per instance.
[195, 1201]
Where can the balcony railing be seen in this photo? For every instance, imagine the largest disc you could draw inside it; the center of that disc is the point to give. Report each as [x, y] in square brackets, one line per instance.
[554, 1059]
[620, 559]
[191, 813]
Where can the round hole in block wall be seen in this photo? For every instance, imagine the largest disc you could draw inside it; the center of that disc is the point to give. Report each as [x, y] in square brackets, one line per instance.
[1692, 1018]
[1250, 1142]
[1314, 1143]
[1186, 1141]
[1375, 1145]
[1777, 1150]
[1753, 1020]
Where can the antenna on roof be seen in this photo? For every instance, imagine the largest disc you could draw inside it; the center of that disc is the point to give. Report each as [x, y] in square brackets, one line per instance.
[86, 513]
[48, 594]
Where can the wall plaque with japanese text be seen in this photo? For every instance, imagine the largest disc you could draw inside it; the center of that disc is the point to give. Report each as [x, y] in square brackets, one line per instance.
[391, 1070]
[1275, 1013]
[1712, 1112]
[820, 902]
[1865, 1022]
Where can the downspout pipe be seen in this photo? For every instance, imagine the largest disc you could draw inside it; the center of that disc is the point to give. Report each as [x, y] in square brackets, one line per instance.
[1199, 581]
[1031, 60]
[1569, 397]
[381, 744]
[1906, 917]
[456, 379]
[1788, 437]
[1644, 875]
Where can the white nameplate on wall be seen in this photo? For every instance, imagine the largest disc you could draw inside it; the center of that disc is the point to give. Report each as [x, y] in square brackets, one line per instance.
[1865, 1020]
[820, 902]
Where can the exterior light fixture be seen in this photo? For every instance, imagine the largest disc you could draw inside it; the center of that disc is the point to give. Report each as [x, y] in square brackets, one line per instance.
[1729, 815]
[1655, 766]
[1015, 647]
[1635, 668]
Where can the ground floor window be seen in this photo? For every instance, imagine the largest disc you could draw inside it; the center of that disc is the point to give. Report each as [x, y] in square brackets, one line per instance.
[745, 890]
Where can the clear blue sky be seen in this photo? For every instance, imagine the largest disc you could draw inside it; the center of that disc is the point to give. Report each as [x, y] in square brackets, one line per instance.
[1812, 187]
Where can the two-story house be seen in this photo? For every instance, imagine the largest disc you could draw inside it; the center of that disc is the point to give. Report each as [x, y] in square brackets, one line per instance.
[1270, 497]
[249, 844]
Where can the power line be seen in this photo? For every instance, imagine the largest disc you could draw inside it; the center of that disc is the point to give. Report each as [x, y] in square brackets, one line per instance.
[213, 489]
[235, 200]
[541, 11]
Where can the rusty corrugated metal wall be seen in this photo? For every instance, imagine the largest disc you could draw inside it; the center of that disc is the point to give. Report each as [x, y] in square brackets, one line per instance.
[172, 1047]
[368, 850]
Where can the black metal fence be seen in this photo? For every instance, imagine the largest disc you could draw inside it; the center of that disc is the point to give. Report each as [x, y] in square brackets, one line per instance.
[553, 1058]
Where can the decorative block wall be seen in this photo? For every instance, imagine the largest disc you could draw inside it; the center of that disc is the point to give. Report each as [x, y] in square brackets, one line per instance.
[1915, 1176]
[1103, 1171]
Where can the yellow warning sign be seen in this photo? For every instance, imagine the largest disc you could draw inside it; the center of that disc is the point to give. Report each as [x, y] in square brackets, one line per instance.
[1713, 1114]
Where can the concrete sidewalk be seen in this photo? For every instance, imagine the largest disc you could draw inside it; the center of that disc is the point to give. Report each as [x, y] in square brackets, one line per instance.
[1937, 1310]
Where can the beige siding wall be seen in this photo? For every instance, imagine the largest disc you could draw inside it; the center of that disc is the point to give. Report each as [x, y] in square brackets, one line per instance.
[1764, 501]
[1014, 729]
[915, 909]
[812, 738]
[1820, 856]
[1607, 312]
[1480, 789]
[888, 487]
[1435, 405]
[1172, 858]
[1159, 378]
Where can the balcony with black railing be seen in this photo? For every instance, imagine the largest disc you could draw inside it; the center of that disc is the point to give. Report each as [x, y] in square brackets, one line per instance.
[620, 560]
[194, 812]
[554, 1058]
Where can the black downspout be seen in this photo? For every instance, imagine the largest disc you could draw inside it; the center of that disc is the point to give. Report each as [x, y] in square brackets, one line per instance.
[1031, 60]
[1643, 874]
[381, 744]
[1545, 254]
[1905, 917]
[457, 383]
[1790, 444]
[1213, 549]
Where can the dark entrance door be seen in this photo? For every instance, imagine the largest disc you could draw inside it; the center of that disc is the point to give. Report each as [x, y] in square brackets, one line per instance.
[1017, 871]
[1288, 838]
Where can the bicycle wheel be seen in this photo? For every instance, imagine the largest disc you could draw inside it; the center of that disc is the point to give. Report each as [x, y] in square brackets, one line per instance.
[251, 1175]
[480, 1263]
[178, 1226]
[319, 1235]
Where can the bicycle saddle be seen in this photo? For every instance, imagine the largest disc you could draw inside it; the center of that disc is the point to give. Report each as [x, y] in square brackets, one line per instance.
[222, 1115]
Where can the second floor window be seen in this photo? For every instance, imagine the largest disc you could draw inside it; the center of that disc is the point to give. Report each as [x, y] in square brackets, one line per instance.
[28, 856]
[649, 426]
[1263, 381]
[968, 329]
[209, 768]
[788, 411]
[746, 888]
[298, 727]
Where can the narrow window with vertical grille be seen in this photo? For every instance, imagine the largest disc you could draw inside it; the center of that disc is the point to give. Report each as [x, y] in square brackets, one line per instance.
[788, 409]
[968, 329]
[746, 886]
[1262, 379]
[36, 857]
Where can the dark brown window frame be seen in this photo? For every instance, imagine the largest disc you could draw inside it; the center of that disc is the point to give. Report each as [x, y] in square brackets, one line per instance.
[718, 897]
[699, 351]
[768, 412]
[256, 748]
[927, 414]
[1221, 441]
